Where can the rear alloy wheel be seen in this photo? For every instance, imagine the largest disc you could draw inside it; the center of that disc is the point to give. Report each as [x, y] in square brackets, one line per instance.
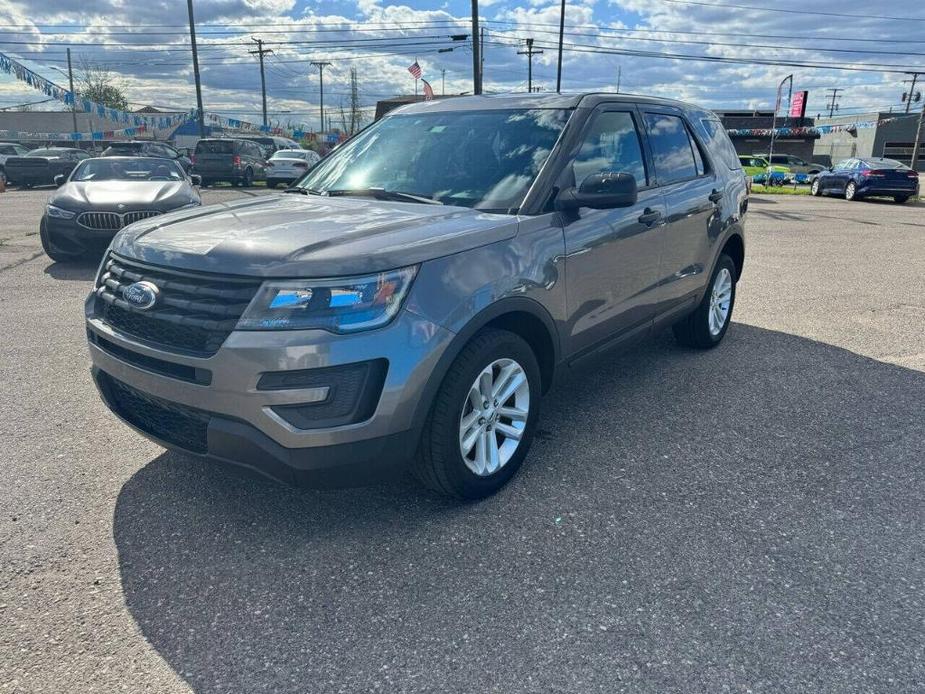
[816, 189]
[851, 191]
[481, 425]
[707, 325]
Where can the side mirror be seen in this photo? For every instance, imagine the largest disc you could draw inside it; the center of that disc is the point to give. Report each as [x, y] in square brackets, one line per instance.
[195, 179]
[600, 191]
[59, 180]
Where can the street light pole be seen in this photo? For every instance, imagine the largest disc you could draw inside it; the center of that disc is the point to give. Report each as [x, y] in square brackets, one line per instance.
[70, 77]
[561, 34]
[476, 60]
[192, 36]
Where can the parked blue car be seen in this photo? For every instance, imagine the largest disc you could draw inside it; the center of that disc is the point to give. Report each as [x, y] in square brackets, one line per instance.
[872, 176]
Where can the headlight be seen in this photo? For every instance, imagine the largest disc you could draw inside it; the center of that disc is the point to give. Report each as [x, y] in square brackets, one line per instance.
[59, 213]
[343, 305]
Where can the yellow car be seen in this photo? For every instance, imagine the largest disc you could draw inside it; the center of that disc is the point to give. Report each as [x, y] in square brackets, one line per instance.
[756, 169]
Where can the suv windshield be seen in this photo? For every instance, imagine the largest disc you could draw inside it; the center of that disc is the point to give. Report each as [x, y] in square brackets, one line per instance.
[127, 170]
[481, 159]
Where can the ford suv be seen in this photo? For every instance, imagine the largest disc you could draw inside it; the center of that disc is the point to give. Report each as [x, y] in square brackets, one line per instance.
[412, 298]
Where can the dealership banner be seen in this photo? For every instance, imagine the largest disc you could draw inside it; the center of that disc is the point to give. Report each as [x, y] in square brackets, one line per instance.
[52, 90]
[76, 137]
[813, 129]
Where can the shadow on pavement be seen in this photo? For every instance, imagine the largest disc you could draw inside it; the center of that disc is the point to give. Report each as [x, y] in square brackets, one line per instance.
[83, 271]
[745, 517]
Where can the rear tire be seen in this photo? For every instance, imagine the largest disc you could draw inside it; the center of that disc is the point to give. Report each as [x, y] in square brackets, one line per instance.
[492, 362]
[900, 199]
[53, 251]
[851, 191]
[703, 329]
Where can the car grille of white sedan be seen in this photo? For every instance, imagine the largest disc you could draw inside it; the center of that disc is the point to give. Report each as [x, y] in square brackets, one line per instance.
[113, 221]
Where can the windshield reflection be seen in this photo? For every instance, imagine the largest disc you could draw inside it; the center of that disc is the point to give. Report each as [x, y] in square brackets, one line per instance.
[480, 159]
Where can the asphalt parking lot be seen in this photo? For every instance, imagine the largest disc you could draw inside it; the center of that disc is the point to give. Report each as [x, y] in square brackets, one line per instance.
[745, 520]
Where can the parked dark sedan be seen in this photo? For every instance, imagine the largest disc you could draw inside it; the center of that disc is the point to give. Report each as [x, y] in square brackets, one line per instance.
[41, 166]
[146, 148]
[872, 176]
[103, 195]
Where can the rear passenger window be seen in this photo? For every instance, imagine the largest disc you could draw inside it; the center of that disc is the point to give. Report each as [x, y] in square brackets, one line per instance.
[672, 148]
[611, 146]
[720, 144]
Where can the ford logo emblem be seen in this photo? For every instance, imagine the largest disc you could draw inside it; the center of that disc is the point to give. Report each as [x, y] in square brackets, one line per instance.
[142, 295]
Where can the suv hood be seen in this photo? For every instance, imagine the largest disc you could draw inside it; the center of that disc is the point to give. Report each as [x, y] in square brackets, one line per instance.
[291, 235]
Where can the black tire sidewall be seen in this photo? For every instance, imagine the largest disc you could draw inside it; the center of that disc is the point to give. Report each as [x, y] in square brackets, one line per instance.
[816, 188]
[702, 315]
[444, 424]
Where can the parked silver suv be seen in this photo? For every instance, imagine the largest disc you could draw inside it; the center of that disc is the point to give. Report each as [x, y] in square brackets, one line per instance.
[413, 296]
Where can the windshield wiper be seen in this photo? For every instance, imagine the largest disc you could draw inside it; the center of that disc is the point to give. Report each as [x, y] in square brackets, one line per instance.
[303, 191]
[383, 194]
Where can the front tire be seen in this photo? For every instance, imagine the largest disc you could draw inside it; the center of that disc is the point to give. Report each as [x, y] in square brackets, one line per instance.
[816, 189]
[52, 251]
[707, 325]
[851, 191]
[481, 424]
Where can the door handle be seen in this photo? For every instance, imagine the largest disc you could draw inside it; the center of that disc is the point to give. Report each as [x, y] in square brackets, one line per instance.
[649, 216]
[716, 195]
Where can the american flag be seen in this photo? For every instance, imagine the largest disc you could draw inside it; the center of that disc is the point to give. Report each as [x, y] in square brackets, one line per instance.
[428, 91]
[415, 70]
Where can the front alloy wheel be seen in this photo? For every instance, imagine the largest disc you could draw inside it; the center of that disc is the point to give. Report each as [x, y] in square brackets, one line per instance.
[720, 301]
[815, 189]
[851, 190]
[481, 423]
[494, 417]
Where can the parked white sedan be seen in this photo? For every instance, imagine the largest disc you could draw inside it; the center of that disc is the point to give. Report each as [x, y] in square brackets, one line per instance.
[286, 166]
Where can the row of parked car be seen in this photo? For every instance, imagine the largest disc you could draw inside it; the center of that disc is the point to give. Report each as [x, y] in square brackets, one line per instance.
[239, 161]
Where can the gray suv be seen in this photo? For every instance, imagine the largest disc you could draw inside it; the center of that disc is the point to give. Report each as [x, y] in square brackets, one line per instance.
[413, 297]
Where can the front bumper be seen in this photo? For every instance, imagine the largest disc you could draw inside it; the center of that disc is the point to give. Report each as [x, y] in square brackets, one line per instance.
[242, 422]
[72, 237]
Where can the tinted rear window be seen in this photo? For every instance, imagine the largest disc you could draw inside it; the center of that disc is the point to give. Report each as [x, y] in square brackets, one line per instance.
[47, 153]
[720, 144]
[672, 148]
[215, 147]
[886, 164]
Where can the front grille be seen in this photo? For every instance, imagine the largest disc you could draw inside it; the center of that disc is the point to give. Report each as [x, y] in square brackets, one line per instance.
[159, 366]
[176, 424]
[113, 221]
[194, 312]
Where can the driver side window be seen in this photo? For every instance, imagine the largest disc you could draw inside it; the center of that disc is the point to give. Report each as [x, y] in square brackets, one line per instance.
[612, 145]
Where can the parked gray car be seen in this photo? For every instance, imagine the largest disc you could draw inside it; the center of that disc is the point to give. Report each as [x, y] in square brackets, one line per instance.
[103, 195]
[421, 289]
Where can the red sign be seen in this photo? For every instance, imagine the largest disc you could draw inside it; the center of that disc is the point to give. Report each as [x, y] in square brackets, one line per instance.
[798, 105]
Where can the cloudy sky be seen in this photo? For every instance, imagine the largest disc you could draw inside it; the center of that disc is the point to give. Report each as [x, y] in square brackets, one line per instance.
[718, 53]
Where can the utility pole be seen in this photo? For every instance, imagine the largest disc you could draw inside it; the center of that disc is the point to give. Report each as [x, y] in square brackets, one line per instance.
[261, 51]
[321, 64]
[192, 38]
[355, 115]
[561, 35]
[833, 107]
[529, 53]
[908, 97]
[918, 140]
[443, 82]
[481, 58]
[619, 77]
[70, 77]
[476, 60]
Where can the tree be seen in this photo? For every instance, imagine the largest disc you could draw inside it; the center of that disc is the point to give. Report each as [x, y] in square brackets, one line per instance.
[99, 85]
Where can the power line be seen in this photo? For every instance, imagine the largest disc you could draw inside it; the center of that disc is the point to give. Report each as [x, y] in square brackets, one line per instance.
[778, 9]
